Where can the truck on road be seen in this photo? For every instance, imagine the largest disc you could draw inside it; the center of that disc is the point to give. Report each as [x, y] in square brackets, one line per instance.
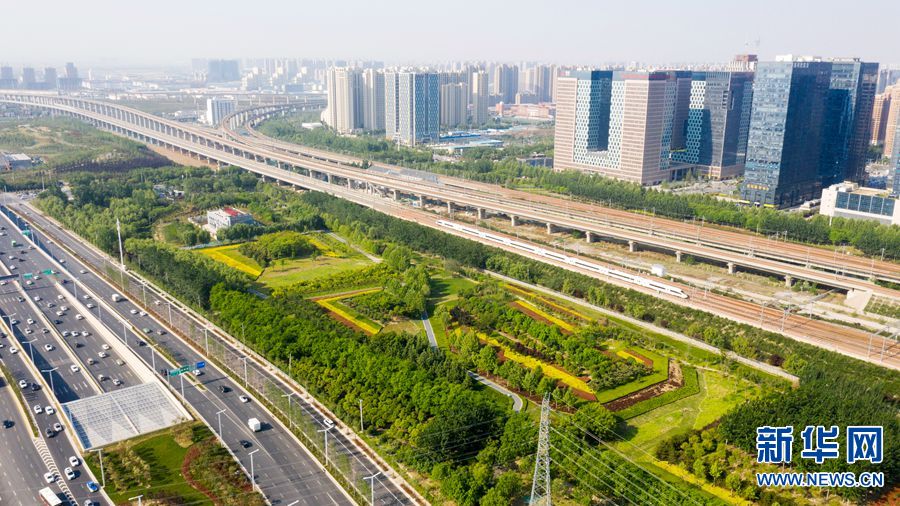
[254, 424]
[49, 497]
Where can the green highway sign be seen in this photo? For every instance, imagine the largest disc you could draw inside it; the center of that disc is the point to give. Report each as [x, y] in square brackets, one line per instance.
[181, 370]
[28, 275]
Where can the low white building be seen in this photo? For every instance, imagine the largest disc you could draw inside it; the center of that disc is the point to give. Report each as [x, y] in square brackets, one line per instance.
[226, 217]
[218, 108]
[848, 200]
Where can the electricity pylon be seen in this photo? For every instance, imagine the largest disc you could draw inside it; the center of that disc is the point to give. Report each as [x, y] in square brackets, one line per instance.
[540, 484]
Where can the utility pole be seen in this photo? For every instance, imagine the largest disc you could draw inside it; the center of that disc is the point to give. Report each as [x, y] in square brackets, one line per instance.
[219, 418]
[326, 430]
[102, 472]
[372, 487]
[252, 469]
[540, 483]
[121, 252]
[362, 426]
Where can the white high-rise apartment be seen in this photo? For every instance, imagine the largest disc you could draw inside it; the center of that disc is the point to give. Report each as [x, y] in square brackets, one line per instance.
[454, 104]
[373, 100]
[218, 108]
[345, 96]
[412, 107]
[480, 98]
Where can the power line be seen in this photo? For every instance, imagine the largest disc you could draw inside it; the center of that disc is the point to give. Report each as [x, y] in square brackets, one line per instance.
[540, 483]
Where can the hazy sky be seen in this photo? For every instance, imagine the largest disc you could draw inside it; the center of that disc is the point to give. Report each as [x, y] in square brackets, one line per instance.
[408, 31]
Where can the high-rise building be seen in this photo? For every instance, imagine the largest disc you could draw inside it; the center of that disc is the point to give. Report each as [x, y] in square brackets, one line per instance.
[480, 98]
[506, 83]
[543, 83]
[412, 107]
[218, 108]
[373, 100]
[345, 100]
[880, 111]
[717, 123]
[223, 71]
[7, 78]
[784, 146]
[29, 79]
[71, 70]
[51, 81]
[682, 106]
[892, 123]
[454, 104]
[618, 124]
[71, 81]
[887, 77]
[848, 118]
[743, 63]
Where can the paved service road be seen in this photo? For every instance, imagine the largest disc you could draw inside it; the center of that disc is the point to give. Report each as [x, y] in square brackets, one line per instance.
[284, 471]
[21, 474]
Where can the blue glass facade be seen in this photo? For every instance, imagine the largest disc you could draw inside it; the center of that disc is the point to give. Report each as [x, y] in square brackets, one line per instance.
[784, 147]
[851, 97]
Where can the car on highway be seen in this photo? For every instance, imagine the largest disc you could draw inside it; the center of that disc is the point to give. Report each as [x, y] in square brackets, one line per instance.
[74, 461]
[92, 486]
[49, 477]
[224, 389]
[74, 368]
[119, 361]
[48, 347]
[245, 444]
[29, 331]
[57, 427]
[85, 296]
[197, 372]
[157, 302]
[23, 384]
[117, 382]
[50, 304]
[20, 299]
[30, 321]
[103, 354]
[2, 283]
[91, 361]
[90, 305]
[45, 331]
[64, 308]
[244, 398]
[38, 409]
[2, 346]
[75, 333]
[79, 317]
[142, 313]
[13, 350]
[35, 387]
[70, 474]
[49, 432]
[133, 311]
[101, 378]
[49, 410]
[60, 297]
[145, 330]
[29, 282]
[12, 267]
[60, 313]
[8, 423]
[83, 271]
[36, 298]
[104, 346]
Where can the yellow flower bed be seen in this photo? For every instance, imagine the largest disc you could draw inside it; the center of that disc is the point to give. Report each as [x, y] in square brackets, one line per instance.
[525, 293]
[549, 317]
[323, 248]
[327, 303]
[219, 254]
[533, 363]
[721, 493]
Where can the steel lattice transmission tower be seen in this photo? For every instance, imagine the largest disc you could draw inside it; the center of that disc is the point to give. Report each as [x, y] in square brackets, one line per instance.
[540, 484]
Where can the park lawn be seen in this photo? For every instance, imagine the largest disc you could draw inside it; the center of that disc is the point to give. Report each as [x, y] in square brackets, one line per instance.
[230, 256]
[283, 273]
[164, 457]
[444, 288]
[718, 394]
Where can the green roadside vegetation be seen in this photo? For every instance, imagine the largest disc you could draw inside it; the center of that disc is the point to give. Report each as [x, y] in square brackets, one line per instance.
[181, 465]
[502, 167]
[420, 401]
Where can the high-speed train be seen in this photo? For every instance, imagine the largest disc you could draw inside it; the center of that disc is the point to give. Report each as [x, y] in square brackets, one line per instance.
[612, 273]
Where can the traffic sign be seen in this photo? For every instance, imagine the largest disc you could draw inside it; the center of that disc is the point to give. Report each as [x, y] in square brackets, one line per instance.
[200, 365]
[181, 370]
[28, 275]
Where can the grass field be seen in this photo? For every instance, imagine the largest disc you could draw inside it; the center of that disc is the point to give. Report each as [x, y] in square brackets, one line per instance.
[164, 457]
[288, 272]
[230, 256]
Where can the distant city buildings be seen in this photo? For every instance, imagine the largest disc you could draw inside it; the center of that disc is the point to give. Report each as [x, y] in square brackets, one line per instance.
[892, 122]
[373, 100]
[480, 98]
[506, 83]
[454, 105]
[880, 111]
[218, 108]
[345, 100]
[223, 71]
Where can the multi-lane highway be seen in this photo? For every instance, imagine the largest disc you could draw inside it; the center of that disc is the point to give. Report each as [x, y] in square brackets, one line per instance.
[172, 315]
[284, 471]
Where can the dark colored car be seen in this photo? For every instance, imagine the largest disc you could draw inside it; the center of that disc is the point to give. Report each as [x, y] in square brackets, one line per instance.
[35, 387]
[50, 432]
[8, 423]
[245, 444]
[224, 389]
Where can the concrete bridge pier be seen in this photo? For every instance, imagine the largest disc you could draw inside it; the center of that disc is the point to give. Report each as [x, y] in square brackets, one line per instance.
[678, 256]
[589, 237]
[514, 220]
[449, 207]
[632, 246]
[481, 213]
[788, 281]
[551, 228]
[731, 268]
[395, 194]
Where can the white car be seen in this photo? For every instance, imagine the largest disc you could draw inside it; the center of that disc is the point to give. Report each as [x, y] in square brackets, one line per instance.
[117, 382]
[157, 302]
[1, 346]
[48, 347]
[83, 271]
[2, 283]
[13, 350]
[102, 354]
[28, 331]
[133, 311]
[104, 346]
[64, 308]
[244, 398]
[85, 296]
[49, 477]
[38, 409]
[50, 304]
[37, 298]
[75, 333]
[49, 410]
[91, 306]
[65, 333]
[73, 461]
[197, 372]
[70, 474]
[85, 333]
[142, 313]
[79, 317]
[74, 368]
[60, 297]
[60, 313]
[29, 282]
[23, 384]
[30, 321]
[45, 331]
[12, 267]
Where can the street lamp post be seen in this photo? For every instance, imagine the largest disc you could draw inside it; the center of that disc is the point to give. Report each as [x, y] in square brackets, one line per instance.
[372, 487]
[102, 471]
[252, 469]
[31, 350]
[245, 371]
[138, 499]
[326, 430]
[290, 409]
[219, 418]
[50, 374]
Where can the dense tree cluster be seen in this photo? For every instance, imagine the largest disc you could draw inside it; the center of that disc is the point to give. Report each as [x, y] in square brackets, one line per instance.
[277, 245]
[403, 295]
